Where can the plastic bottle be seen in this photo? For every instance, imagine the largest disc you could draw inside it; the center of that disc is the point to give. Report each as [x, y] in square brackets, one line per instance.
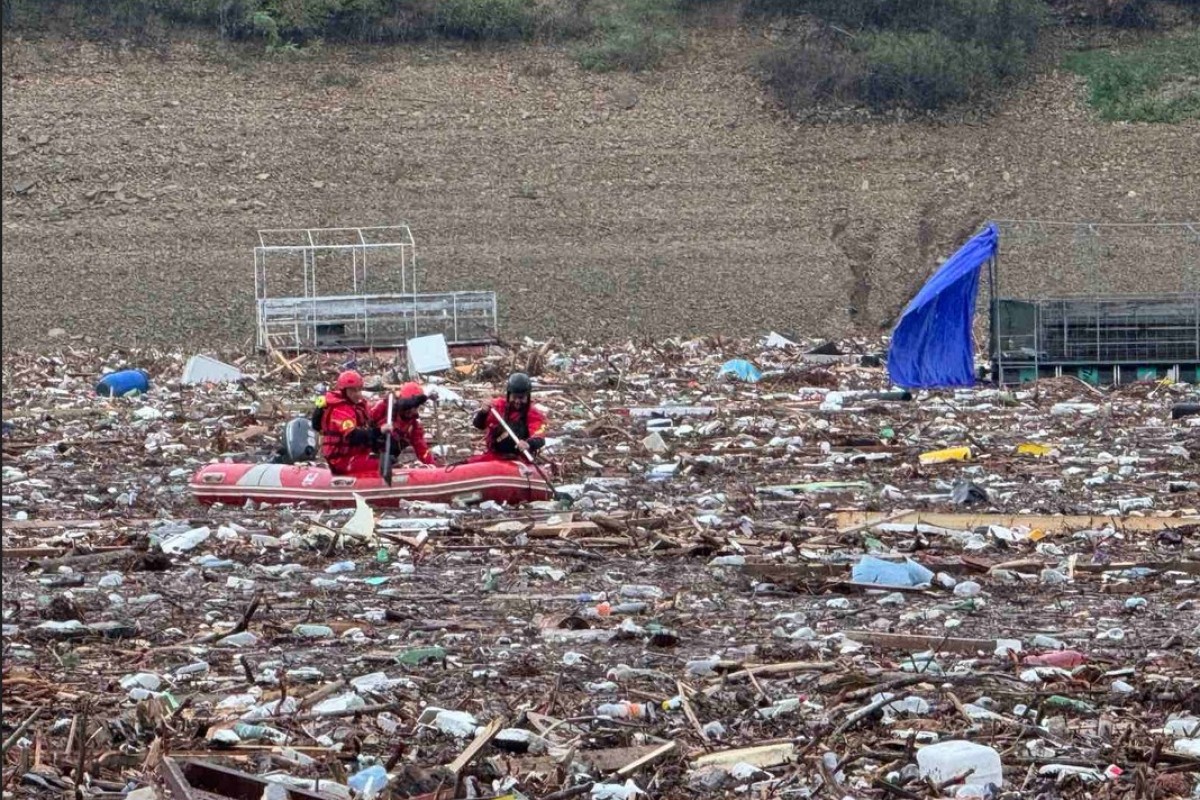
[625, 710]
[702, 667]
[182, 542]
[519, 740]
[460, 724]
[949, 454]
[275, 791]
[672, 703]
[946, 760]
[250, 733]
[119, 384]
[1064, 659]
[967, 589]
[421, 655]
[637, 591]
[780, 708]
[313, 631]
[340, 566]
[629, 608]
[1069, 704]
[369, 782]
[1188, 727]
[596, 612]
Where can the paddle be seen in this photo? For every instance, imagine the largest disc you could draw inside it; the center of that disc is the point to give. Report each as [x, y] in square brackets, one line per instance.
[561, 497]
[385, 466]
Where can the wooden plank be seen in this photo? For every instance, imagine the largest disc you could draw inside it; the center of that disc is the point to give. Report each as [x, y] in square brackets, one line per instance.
[862, 526]
[46, 524]
[481, 739]
[783, 668]
[916, 643]
[771, 755]
[33, 552]
[603, 762]
[795, 573]
[1050, 524]
[553, 530]
[1188, 567]
[651, 757]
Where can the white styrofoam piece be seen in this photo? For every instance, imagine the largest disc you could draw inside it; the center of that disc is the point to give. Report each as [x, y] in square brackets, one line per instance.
[428, 354]
[202, 369]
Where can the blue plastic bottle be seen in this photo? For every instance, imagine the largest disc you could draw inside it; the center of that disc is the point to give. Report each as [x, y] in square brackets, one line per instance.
[119, 384]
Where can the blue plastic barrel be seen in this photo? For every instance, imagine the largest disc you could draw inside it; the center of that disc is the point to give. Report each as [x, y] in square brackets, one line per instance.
[119, 384]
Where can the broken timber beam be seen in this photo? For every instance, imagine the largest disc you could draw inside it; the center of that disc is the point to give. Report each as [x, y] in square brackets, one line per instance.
[917, 643]
[191, 780]
[771, 755]
[1048, 523]
[481, 739]
[651, 757]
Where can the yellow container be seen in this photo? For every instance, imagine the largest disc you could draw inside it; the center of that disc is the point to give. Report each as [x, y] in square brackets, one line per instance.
[1033, 449]
[949, 454]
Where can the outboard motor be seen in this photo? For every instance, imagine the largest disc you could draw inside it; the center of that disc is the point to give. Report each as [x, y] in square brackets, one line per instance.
[299, 442]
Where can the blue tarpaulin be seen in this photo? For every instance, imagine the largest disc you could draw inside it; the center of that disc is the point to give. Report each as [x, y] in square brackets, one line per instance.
[933, 344]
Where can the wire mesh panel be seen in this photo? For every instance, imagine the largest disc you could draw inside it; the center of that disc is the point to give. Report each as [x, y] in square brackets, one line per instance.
[386, 320]
[1152, 329]
[1073, 298]
[332, 288]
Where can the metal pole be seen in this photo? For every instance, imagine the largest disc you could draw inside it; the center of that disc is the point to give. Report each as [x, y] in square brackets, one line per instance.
[994, 322]
[1037, 340]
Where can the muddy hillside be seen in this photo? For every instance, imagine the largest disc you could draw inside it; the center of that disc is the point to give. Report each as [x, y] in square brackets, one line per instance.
[599, 205]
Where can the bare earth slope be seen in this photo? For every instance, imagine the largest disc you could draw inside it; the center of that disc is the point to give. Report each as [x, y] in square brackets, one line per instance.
[597, 205]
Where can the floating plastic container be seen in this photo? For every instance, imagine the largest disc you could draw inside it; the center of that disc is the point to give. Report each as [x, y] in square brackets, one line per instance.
[119, 384]
[947, 760]
[949, 454]
[202, 369]
[890, 573]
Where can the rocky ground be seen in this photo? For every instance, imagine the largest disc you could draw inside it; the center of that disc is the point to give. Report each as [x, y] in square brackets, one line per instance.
[704, 624]
[597, 205]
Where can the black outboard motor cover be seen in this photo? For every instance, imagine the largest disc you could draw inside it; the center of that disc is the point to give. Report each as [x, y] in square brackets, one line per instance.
[299, 442]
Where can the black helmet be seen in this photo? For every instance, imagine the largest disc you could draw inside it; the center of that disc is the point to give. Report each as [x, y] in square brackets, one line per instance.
[519, 383]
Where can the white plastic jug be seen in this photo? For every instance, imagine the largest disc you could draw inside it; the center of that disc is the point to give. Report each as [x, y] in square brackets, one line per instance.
[945, 760]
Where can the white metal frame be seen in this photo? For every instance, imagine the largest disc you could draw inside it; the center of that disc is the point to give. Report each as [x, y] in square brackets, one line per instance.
[389, 248]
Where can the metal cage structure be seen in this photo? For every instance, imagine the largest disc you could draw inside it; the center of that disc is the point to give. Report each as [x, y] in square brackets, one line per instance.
[1101, 337]
[356, 288]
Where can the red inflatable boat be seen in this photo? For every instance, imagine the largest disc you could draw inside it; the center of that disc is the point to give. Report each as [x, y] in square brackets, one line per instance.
[500, 481]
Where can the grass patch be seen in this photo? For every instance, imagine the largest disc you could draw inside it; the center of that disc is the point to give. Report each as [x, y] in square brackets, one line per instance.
[633, 35]
[1158, 82]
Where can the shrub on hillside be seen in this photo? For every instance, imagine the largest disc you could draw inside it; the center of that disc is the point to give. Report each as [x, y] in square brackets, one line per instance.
[484, 19]
[569, 19]
[812, 74]
[925, 55]
[989, 22]
[922, 70]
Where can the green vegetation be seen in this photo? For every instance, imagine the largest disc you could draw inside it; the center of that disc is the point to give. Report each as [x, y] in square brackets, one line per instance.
[497, 20]
[632, 35]
[889, 53]
[878, 54]
[1157, 82]
[611, 34]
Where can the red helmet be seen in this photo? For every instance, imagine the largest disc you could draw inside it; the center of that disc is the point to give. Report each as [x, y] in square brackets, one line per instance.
[349, 379]
[412, 396]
